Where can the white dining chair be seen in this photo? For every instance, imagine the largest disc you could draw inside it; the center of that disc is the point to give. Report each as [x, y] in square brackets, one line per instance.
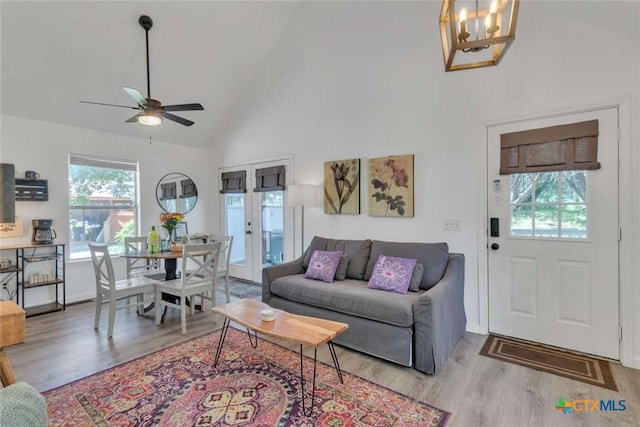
[109, 290]
[225, 257]
[198, 281]
[140, 266]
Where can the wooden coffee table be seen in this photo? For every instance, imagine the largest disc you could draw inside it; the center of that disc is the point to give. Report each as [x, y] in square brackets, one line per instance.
[301, 330]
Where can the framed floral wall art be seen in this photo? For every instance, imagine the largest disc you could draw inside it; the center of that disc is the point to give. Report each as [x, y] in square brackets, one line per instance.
[342, 187]
[391, 186]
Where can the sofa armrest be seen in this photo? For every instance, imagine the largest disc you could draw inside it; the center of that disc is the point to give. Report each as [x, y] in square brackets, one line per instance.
[439, 318]
[269, 274]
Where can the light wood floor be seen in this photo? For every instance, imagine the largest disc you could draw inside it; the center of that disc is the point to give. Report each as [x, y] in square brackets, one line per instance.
[478, 391]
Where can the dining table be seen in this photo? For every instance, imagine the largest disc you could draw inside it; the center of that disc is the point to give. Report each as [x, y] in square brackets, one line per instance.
[170, 258]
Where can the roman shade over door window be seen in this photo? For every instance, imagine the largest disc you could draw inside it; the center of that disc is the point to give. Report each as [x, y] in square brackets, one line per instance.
[188, 188]
[270, 179]
[234, 182]
[556, 148]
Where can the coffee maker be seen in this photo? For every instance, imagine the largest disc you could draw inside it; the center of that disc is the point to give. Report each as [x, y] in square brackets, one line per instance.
[43, 234]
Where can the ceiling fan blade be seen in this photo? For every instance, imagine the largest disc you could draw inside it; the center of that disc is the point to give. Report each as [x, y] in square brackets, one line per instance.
[109, 105]
[176, 118]
[183, 107]
[136, 95]
[134, 119]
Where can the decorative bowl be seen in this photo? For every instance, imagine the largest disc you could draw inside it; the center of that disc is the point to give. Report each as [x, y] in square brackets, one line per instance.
[268, 315]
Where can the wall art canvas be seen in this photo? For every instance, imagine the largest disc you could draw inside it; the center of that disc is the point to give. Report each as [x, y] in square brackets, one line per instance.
[342, 187]
[391, 186]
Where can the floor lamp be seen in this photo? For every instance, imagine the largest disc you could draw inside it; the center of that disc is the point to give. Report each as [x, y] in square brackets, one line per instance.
[301, 195]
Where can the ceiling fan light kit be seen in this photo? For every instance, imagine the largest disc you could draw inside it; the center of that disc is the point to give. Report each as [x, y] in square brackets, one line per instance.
[151, 110]
[149, 120]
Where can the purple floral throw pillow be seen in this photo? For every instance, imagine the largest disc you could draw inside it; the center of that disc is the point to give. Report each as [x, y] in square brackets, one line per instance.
[323, 265]
[392, 274]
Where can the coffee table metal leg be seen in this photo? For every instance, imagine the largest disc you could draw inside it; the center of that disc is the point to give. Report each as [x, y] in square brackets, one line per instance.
[313, 390]
[254, 342]
[334, 356]
[223, 334]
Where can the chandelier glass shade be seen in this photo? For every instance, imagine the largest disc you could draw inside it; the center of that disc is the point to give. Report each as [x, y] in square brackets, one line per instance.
[473, 37]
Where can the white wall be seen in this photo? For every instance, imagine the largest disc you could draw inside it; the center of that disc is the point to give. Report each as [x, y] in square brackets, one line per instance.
[366, 79]
[45, 147]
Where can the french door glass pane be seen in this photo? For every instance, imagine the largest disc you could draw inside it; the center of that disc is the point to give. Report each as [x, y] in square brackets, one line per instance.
[234, 204]
[272, 215]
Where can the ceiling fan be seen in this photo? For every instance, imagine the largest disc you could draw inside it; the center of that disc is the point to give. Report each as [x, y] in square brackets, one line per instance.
[151, 110]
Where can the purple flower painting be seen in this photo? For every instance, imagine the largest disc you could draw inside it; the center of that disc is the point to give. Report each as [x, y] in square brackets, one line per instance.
[391, 186]
[342, 187]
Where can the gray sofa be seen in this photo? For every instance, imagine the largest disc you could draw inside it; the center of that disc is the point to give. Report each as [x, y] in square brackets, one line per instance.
[419, 329]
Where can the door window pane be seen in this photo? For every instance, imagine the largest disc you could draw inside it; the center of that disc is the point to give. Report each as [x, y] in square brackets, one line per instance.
[574, 187]
[574, 221]
[549, 205]
[521, 220]
[234, 205]
[546, 187]
[546, 221]
[272, 212]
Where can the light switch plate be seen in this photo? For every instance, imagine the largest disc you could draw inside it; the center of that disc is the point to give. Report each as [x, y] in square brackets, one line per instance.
[451, 225]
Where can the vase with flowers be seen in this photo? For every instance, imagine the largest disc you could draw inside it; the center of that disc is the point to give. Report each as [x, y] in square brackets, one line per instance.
[170, 221]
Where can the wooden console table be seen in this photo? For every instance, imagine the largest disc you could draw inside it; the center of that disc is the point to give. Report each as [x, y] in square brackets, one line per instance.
[11, 332]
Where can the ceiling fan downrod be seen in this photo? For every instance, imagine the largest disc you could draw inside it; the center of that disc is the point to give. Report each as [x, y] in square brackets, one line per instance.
[146, 23]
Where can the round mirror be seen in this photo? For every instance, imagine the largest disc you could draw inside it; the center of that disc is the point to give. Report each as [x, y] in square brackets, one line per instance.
[176, 192]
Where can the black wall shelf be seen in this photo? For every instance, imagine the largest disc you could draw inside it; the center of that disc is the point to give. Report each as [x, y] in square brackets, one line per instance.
[32, 190]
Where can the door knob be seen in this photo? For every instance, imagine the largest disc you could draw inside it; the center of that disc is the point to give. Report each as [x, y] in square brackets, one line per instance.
[495, 246]
[248, 232]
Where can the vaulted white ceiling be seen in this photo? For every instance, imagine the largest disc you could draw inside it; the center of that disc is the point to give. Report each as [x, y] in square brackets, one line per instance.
[55, 54]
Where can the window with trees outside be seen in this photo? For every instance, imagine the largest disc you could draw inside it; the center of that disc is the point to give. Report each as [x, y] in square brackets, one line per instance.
[102, 203]
[549, 205]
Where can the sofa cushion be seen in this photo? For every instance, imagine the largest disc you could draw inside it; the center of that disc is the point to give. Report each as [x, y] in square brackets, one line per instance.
[356, 250]
[341, 271]
[323, 265]
[392, 274]
[349, 297]
[434, 257]
[416, 277]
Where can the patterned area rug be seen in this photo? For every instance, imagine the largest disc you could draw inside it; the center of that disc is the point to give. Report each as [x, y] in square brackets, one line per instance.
[575, 366]
[179, 386]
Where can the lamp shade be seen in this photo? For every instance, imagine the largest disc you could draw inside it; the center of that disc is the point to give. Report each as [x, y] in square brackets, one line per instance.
[301, 195]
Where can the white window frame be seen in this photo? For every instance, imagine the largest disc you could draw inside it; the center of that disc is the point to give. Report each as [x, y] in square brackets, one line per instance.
[106, 163]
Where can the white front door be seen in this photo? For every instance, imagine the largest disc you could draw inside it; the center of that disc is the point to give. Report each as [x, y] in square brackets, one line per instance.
[553, 269]
[258, 222]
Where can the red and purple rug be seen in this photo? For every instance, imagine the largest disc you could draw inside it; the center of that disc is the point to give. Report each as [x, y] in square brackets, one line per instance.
[179, 386]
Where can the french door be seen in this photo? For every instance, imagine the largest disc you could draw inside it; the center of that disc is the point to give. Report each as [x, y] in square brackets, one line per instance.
[553, 245]
[260, 223]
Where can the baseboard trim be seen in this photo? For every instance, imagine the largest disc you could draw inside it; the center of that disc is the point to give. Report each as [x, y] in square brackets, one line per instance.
[475, 328]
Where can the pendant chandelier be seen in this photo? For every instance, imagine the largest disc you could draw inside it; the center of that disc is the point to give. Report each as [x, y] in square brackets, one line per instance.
[473, 37]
